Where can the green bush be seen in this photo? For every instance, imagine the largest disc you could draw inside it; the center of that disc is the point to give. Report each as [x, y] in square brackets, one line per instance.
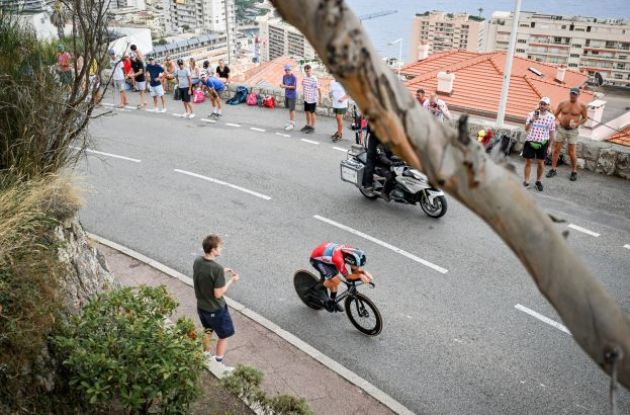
[121, 352]
[245, 382]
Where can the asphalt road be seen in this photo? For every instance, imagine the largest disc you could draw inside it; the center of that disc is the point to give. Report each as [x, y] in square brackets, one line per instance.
[464, 341]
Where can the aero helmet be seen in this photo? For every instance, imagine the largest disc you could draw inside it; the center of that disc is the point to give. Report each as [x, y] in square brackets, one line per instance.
[353, 256]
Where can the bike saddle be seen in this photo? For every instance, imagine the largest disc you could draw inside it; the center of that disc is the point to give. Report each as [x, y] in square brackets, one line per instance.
[362, 157]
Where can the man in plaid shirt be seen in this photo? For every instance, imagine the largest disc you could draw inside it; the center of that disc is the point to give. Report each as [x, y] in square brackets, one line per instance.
[541, 127]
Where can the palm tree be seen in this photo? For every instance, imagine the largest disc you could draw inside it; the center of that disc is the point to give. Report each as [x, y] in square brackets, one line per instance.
[58, 18]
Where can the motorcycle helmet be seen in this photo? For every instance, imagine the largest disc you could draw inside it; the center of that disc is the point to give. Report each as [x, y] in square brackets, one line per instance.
[353, 256]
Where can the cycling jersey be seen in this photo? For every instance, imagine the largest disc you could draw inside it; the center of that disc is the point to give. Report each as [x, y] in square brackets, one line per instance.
[330, 253]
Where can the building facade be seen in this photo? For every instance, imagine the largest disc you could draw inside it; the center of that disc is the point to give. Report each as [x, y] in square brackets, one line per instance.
[202, 16]
[445, 31]
[584, 43]
[281, 39]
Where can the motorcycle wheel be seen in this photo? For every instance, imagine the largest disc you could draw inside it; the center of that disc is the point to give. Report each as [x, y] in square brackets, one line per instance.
[304, 283]
[437, 209]
[368, 195]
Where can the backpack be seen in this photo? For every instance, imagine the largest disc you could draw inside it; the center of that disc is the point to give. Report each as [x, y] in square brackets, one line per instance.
[251, 99]
[548, 161]
[240, 96]
[259, 100]
[269, 102]
[177, 94]
[198, 96]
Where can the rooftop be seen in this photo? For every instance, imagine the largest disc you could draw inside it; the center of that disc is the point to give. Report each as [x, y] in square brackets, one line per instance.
[622, 137]
[479, 78]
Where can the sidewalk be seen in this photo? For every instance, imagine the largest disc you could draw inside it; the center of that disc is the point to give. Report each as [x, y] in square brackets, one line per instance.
[287, 368]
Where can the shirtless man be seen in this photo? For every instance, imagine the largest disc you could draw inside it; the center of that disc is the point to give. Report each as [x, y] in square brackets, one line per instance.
[570, 115]
[169, 70]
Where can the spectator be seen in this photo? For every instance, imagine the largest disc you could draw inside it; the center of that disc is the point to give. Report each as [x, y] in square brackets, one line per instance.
[210, 287]
[169, 70]
[156, 90]
[312, 95]
[340, 107]
[214, 86]
[206, 65]
[94, 82]
[184, 83]
[223, 72]
[438, 108]
[136, 52]
[422, 100]
[289, 83]
[137, 66]
[540, 127]
[128, 71]
[64, 66]
[118, 78]
[194, 71]
[570, 114]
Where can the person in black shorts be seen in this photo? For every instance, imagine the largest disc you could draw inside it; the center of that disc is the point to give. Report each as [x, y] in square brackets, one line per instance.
[210, 286]
[541, 128]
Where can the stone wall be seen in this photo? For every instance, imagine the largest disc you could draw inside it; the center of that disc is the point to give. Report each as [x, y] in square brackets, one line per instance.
[597, 156]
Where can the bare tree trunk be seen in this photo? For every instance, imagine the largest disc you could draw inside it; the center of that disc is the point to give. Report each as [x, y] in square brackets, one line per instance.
[461, 167]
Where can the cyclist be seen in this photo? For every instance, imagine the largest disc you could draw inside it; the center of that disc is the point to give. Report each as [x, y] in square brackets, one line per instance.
[330, 260]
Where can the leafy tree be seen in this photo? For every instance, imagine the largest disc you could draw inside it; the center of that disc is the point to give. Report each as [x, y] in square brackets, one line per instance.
[121, 351]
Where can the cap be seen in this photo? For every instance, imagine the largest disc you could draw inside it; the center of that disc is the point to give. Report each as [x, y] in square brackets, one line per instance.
[151, 58]
[180, 61]
[287, 67]
[545, 100]
[111, 52]
[60, 47]
[575, 91]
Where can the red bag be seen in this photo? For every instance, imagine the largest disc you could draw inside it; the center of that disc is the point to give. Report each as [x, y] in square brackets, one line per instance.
[269, 102]
[198, 96]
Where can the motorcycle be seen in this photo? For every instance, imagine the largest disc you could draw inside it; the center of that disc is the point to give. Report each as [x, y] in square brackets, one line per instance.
[411, 186]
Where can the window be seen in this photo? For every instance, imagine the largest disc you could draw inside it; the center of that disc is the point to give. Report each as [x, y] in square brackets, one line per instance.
[575, 55]
[618, 76]
[623, 57]
[573, 65]
[576, 45]
[588, 28]
[621, 66]
[564, 26]
[522, 41]
[520, 50]
[532, 25]
[588, 42]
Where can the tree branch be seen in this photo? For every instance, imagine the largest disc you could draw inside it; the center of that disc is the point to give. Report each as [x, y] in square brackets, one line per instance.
[461, 167]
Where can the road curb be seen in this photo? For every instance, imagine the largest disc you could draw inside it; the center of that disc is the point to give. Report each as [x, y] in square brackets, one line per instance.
[342, 371]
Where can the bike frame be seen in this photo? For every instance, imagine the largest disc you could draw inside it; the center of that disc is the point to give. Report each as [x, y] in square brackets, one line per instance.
[351, 289]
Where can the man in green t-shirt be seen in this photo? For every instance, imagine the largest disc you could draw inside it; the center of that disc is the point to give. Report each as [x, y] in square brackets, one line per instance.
[210, 286]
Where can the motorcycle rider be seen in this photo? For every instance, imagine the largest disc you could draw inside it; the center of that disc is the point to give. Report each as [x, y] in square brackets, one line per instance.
[330, 260]
[378, 155]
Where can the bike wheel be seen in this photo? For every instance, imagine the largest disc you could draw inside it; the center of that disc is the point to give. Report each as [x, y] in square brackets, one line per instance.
[304, 283]
[437, 209]
[364, 315]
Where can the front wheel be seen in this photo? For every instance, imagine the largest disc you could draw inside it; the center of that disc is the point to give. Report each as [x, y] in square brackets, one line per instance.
[304, 283]
[437, 209]
[364, 315]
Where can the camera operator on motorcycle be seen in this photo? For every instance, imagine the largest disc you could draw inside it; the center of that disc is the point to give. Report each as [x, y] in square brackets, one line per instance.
[378, 156]
[330, 260]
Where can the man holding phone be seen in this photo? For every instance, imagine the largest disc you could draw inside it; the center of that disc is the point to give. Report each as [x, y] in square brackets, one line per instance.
[540, 127]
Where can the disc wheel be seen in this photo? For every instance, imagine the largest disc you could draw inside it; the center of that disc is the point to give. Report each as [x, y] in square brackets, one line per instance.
[364, 315]
[304, 283]
[437, 209]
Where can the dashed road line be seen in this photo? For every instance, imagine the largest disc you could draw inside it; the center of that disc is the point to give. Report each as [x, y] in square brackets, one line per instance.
[177, 115]
[340, 149]
[131, 107]
[309, 141]
[229, 124]
[542, 318]
[583, 230]
[383, 244]
[107, 104]
[208, 120]
[262, 130]
[627, 246]
[108, 155]
[221, 182]
[284, 135]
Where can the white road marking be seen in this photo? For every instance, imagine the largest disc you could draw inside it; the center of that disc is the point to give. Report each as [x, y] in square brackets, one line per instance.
[208, 120]
[262, 130]
[309, 141]
[177, 115]
[221, 182]
[383, 244]
[340, 149]
[627, 246]
[283, 135]
[130, 107]
[543, 318]
[583, 230]
[108, 155]
[107, 104]
[229, 124]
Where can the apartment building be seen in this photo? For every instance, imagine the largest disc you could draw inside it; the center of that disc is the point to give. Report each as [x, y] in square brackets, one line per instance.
[281, 39]
[436, 31]
[584, 43]
[202, 15]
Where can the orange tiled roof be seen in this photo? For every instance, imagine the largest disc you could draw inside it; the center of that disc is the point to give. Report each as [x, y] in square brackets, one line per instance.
[622, 137]
[479, 78]
[269, 75]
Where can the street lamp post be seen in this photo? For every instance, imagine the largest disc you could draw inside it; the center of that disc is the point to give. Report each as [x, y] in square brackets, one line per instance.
[507, 69]
[400, 45]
